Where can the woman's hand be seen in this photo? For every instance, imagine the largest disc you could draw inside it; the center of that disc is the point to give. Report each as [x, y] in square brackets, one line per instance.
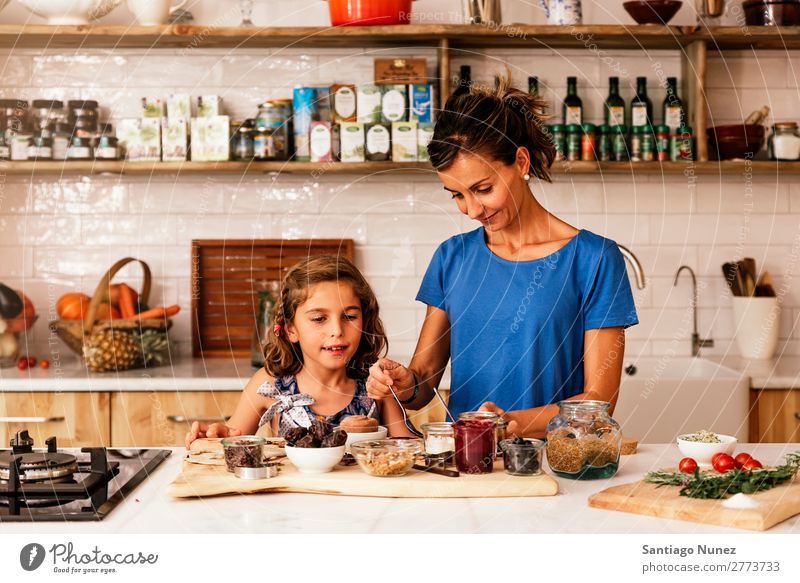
[201, 430]
[387, 373]
[513, 426]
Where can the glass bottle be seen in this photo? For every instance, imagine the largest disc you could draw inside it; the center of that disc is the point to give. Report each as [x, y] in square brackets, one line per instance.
[673, 110]
[641, 106]
[583, 441]
[614, 106]
[266, 302]
[784, 141]
[573, 106]
[475, 445]
[533, 85]
[464, 81]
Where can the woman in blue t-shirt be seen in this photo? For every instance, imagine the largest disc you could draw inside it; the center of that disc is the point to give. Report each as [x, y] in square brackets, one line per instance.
[529, 309]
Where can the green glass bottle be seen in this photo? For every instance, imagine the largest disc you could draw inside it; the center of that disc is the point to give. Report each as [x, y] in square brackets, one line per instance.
[641, 106]
[573, 106]
[674, 111]
[614, 105]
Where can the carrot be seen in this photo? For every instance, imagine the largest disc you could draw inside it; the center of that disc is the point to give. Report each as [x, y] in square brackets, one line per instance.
[160, 312]
[126, 306]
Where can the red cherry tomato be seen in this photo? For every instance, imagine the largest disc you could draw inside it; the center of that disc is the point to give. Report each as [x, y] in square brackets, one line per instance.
[742, 459]
[22, 364]
[31, 361]
[752, 464]
[687, 465]
[724, 463]
[44, 364]
[716, 455]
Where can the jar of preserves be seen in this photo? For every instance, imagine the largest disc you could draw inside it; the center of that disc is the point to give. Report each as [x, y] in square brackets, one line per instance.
[264, 143]
[784, 141]
[83, 117]
[682, 145]
[558, 134]
[41, 147]
[574, 134]
[106, 148]
[61, 140]
[620, 143]
[662, 143]
[20, 146]
[13, 118]
[275, 115]
[475, 445]
[588, 142]
[79, 149]
[583, 441]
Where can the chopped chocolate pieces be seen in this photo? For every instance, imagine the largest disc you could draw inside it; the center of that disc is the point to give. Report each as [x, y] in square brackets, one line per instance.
[307, 441]
[320, 434]
[334, 439]
[243, 455]
[295, 434]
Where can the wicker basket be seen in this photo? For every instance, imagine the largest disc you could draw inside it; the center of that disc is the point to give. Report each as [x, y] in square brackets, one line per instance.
[75, 333]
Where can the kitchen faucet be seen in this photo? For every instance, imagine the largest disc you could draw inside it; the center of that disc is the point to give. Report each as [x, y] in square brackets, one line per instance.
[635, 264]
[697, 342]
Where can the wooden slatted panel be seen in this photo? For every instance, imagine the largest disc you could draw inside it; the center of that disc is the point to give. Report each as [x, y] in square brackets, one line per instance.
[226, 277]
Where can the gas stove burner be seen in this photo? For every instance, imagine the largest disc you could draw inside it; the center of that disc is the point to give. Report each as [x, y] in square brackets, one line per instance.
[39, 466]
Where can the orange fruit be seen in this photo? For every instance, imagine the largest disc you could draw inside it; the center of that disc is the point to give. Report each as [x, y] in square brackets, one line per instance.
[68, 299]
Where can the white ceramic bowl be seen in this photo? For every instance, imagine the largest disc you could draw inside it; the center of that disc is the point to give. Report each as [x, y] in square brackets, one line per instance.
[381, 433]
[70, 11]
[703, 452]
[314, 460]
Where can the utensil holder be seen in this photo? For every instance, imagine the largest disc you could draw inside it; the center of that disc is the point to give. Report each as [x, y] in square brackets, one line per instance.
[756, 326]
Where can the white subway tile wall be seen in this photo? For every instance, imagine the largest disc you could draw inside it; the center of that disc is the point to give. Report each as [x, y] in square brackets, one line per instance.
[59, 234]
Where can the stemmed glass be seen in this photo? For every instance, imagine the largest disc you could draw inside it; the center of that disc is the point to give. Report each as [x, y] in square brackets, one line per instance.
[246, 7]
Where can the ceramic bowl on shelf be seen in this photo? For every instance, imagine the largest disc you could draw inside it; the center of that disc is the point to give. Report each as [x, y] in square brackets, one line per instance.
[771, 12]
[736, 140]
[70, 12]
[702, 452]
[652, 11]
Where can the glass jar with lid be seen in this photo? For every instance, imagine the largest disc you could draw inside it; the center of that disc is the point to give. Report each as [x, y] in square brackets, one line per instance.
[83, 117]
[45, 113]
[242, 140]
[784, 141]
[583, 441]
[14, 114]
[41, 147]
[440, 441]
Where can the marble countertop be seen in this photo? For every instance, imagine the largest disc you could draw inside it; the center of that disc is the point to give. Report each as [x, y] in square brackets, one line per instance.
[775, 373]
[150, 510]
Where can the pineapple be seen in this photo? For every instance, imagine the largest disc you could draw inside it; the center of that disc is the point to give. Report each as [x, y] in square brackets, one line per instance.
[154, 347]
[111, 350]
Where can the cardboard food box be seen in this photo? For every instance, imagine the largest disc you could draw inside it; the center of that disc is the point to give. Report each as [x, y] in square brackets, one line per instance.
[378, 142]
[174, 140]
[404, 141]
[351, 142]
[368, 103]
[420, 103]
[179, 106]
[152, 107]
[394, 103]
[209, 106]
[344, 103]
[424, 137]
[321, 141]
[150, 138]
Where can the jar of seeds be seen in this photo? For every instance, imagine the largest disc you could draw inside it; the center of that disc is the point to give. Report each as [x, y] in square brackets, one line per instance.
[583, 441]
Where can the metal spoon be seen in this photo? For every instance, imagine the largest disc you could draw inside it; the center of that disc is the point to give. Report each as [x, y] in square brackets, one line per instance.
[441, 400]
[406, 422]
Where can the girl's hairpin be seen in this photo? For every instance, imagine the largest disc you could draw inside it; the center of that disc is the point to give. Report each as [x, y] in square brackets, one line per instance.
[277, 329]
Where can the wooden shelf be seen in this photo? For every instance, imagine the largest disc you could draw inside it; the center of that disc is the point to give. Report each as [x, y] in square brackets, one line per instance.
[459, 36]
[318, 170]
[747, 37]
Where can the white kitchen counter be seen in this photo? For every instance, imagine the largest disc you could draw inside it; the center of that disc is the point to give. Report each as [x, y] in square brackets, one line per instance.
[150, 510]
[184, 374]
[775, 373]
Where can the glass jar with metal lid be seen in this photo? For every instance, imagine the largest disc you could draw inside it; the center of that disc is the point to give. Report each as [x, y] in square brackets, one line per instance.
[636, 144]
[648, 144]
[588, 143]
[45, 113]
[242, 140]
[583, 441]
[604, 143]
[558, 134]
[41, 147]
[79, 148]
[275, 116]
[574, 134]
[83, 117]
[14, 114]
[619, 145]
[784, 141]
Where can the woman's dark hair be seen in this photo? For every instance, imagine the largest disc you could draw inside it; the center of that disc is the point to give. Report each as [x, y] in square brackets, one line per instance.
[281, 357]
[493, 123]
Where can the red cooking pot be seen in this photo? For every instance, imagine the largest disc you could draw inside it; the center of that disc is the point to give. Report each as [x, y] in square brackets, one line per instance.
[369, 12]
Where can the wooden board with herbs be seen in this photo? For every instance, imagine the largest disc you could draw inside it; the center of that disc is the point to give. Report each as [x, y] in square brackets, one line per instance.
[197, 480]
[756, 500]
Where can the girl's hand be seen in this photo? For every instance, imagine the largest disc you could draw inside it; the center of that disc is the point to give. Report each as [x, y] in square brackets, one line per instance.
[202, 430]
[513, 426]
[386, 373]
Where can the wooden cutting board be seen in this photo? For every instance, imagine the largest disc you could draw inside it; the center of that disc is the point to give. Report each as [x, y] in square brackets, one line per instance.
[203, 480]
[775, 505]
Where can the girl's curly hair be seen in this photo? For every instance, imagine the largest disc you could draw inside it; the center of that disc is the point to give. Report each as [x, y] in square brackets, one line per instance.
[281, 357]
[494, 123]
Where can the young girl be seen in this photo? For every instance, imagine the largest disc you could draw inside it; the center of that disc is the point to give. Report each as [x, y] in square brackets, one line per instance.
[326, 334]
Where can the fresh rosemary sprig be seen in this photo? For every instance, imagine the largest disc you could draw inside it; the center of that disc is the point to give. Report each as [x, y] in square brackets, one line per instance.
[710, 485]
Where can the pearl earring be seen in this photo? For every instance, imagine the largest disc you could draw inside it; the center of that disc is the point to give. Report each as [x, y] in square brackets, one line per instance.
[527, 178]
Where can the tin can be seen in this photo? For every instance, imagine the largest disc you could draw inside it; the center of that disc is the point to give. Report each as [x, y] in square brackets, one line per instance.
[574, 134]
[636, 144]
[662, 143]
[648, 144]
[558, 134]
[620, 143]
[275, 115]
[604, 145]
[588, 143]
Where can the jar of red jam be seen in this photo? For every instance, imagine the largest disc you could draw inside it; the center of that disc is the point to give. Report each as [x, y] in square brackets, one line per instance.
[475, 445]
